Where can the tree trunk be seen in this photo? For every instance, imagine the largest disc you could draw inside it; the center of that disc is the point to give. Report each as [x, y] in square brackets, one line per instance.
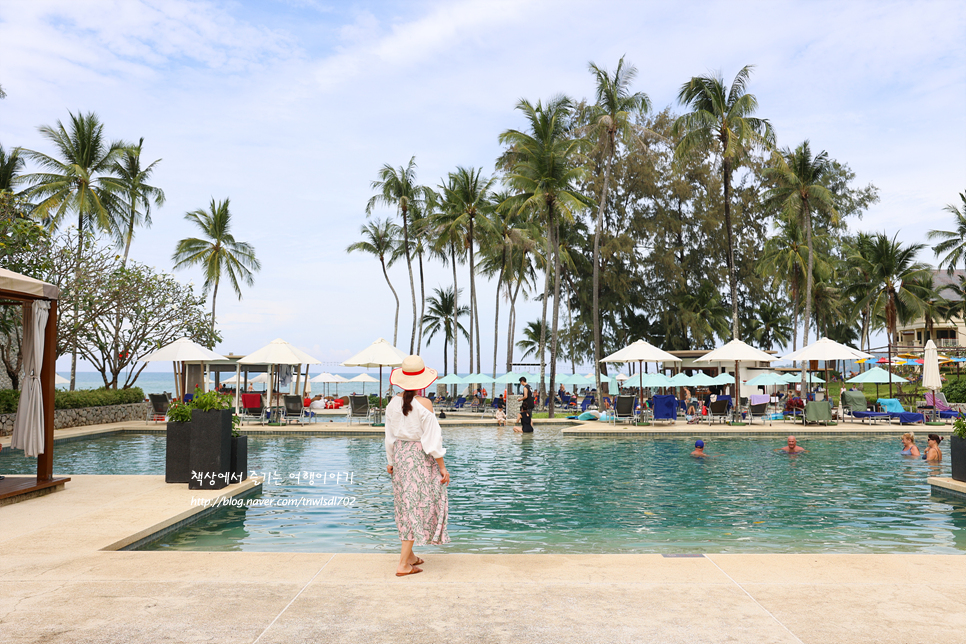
[214, 296]
[512, 327]
[556, 313]
[809, 279]
[395, 326]
[496, 316]
[596, 306]
[474, 332]
[76, 330]
[412, 283]
[422, 297]
[456, 308]
[732, 270]
[541, 386]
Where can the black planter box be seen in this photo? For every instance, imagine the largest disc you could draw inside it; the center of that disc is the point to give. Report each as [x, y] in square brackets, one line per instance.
[209, 454]
[176, 468]
[957, 453]
[239, 459]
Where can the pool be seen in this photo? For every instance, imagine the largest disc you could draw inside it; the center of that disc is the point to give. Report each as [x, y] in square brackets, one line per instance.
[548, 493]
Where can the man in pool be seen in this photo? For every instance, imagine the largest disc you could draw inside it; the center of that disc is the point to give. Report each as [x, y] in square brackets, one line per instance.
[792, 448]
[699, 450]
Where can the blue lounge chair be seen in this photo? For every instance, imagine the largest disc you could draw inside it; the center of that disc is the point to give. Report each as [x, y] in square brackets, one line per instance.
[459, 403]
[586, 402]
[665, 408]
[894, 408]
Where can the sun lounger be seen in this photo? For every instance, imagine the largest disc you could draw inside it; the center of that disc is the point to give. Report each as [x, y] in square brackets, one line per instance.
[665, 408]
[760, 410]
[894, 408]
[252, 407]
[624, 408]
[159, 408]
[855, 406]
[718, 409]
[294, 409]
[817, 411]
[359, 409]
[938, 401]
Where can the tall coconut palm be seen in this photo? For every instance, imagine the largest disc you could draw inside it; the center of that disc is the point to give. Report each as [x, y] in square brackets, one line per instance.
[217, 252]
[505, 234]
[611, 118]
[379, 238]
[11, 163]
[468, 197]
[136, 192]
[773, 327]
[396, 187]
[440, 318]
[799, 191]
[953, 241]
[856, 276]
[448, 246]
[721, 122]
[783, 263]
[77, 181]
[545, 166]
[894, 276]
[531, 342]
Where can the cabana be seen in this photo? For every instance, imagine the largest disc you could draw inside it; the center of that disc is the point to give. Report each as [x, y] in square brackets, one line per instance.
[34, 426]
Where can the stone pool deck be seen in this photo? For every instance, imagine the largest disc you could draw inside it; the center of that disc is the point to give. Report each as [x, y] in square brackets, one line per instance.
[62, 581]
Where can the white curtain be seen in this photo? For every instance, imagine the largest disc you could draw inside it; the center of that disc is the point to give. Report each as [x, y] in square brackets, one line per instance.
[28, 428]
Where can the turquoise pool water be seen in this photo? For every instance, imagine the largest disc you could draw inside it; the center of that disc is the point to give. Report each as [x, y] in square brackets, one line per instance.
[547, 493]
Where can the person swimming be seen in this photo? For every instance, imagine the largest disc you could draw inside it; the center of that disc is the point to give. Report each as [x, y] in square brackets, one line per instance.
[792, 447]
[909, 445]
[699, 450]
[933, 453]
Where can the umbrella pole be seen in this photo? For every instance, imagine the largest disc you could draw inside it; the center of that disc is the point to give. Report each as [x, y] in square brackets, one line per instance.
[737, 401]
[380, 386]
[237, 386]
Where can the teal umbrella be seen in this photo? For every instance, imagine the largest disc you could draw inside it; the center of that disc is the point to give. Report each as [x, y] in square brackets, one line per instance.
[724, 378]
[680, 380]
[476, 377]
[876, 376]
[451, 379]
[767, 380]
[702, 379]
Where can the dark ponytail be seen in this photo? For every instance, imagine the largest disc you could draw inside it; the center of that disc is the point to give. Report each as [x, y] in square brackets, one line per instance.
[408, 402]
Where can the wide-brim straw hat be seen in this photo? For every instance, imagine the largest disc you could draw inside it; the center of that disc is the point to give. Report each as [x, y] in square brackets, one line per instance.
[413, 375]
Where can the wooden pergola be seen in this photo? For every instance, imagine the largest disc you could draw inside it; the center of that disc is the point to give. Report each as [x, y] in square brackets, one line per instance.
[20, 290]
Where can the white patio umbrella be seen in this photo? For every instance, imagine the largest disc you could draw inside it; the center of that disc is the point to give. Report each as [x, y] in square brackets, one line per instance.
[640, 352]
[180, 351]
[737, 351]
[364, 378]
[930, 373]
[622, 377]
[378, 354]
[826, 349]
[60, 380]
[277, 352]
[328, 378]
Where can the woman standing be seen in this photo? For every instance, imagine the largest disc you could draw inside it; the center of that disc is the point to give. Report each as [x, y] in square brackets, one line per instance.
[933, 453]
[909, 445]
[414, 450]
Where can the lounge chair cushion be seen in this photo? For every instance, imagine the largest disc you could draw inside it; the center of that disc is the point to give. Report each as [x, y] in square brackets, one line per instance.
[907, 417]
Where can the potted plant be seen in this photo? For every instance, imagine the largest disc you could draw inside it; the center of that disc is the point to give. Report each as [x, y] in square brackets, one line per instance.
[209, 453]
[957, 449]
[176, 469]
[239, 452]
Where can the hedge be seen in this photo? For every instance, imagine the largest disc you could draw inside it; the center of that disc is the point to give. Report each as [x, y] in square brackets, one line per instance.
[77, 399]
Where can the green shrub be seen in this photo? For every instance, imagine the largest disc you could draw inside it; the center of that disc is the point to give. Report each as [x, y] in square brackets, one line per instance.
[955, 390]
[77, 399]
[8, 400]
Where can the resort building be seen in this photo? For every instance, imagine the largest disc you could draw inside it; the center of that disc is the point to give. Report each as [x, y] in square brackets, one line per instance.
[946, 333]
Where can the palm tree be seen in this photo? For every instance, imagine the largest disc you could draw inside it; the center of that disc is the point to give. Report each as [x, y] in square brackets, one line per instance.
[721, 120]
[611, 118]
[10, 166]
[136, 192]
[855, 276]
[784, 260]
[79, 182]
[773, 325]
[448, 246]
[440, 318]
[953, 241]
[379, 238]
[799, 191]
[531, 342]
[397, 187]
[468, 199]
[544, 168]
[894, 276]
[217, 252]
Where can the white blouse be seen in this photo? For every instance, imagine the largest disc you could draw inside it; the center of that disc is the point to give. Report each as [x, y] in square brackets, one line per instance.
[420, 425]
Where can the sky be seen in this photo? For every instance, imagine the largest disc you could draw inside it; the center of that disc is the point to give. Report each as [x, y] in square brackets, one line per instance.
[290, 107]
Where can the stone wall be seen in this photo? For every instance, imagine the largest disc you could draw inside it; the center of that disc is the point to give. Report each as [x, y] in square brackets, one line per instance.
[86, 416]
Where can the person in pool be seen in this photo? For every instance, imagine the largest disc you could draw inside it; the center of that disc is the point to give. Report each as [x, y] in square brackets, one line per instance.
[792, 448]
[933, 453]
[909, 445]
[699, 450]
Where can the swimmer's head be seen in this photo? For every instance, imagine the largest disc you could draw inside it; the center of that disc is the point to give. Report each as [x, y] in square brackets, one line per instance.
[699, 444]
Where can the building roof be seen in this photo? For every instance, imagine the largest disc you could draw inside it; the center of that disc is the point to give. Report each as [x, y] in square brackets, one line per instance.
[942, 281]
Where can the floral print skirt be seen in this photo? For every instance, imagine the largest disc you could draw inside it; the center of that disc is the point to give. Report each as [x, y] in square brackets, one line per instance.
[421, 503]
